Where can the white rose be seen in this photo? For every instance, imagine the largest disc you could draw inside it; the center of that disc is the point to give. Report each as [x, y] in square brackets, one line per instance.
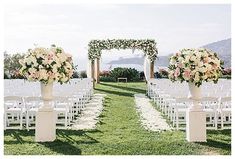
[204, 77]
[172, 61]
[200, 64]
[32, 70]
[208, 66]
[180, 59]
[39, 55]
[193, 72]
[27, 61]
[58, 65]
[40, 66]
[197, 77]
[202, 69]
[62, 57]
[217, 62]
[193, 58]
[35, 64]
[198, 54]
[54, 69]
[187, 59]
[204, 54]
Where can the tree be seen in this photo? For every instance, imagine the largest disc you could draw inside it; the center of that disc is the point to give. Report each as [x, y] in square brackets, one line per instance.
[12, 65]
[130, 73]
[83, 74]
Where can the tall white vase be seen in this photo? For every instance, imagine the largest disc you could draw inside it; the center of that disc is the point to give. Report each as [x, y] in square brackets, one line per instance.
[47, 94]
[195, 95]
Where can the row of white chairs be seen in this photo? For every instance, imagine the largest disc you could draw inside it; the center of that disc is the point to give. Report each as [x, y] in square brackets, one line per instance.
[20, 109]
[172, 99]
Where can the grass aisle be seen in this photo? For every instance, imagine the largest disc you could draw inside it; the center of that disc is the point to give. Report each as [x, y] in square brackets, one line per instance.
[118, 132]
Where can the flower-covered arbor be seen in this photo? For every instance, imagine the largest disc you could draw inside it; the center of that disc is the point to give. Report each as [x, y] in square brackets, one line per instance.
[95, 47]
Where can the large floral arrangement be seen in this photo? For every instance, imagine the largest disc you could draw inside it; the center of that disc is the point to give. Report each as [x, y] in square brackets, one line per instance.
[195, 65]
[148, 46]
[47, 65]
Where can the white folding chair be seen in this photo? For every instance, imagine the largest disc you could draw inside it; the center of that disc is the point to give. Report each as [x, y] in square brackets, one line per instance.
[179, 107]
[210, 106]
[32, 104]
[225, 112]
[63, 108]
[14, 112]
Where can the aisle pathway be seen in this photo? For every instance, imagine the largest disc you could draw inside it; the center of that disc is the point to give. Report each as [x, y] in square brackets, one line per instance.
[89, 115]
[150, 118]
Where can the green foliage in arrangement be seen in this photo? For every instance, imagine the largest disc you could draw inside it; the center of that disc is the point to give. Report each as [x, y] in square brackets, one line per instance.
[148, 46]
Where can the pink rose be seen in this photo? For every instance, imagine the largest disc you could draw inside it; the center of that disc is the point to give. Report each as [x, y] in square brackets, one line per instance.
[187, 74]
[180, 65]
[50, 56]
[205, 60]
[177, 72]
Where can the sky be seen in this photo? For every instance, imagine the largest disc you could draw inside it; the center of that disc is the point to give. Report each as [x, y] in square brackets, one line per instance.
[173, 26]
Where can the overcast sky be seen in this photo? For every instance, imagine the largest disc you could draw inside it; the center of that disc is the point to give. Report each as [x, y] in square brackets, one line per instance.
[73, 26]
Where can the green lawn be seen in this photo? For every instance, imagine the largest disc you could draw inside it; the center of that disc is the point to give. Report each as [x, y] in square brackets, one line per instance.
[118, 133]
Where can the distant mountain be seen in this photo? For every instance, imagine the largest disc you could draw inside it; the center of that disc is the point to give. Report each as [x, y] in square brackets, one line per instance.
[162, 61]
[222, 48]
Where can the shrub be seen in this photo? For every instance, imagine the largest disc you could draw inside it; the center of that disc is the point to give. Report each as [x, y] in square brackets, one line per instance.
[83, 74]
[142, 76]
[75, 74]
[226, 71]
[157, 75]
[130, 73]
[107, 79]
[163, 73]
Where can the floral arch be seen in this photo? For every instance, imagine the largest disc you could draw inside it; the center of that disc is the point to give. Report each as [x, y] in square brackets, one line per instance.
[95, 47]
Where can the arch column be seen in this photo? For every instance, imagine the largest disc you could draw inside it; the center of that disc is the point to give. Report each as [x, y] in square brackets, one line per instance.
[152, 69]
[93, 72]
[97, 70]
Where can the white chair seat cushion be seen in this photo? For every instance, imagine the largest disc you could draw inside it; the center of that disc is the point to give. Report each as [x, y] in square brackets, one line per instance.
[33, 110]
[227, 110]
[13, 110]
[60, 109]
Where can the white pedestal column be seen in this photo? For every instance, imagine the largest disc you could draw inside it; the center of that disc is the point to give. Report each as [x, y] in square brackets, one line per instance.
[195, 117]
[45, 125]
[196, 126]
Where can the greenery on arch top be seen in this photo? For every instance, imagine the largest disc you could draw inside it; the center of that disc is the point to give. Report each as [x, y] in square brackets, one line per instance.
[148, 46]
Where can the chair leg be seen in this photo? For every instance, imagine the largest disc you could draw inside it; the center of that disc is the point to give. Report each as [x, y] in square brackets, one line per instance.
[21, 121]
[65, 122]
[216, 121]
[222, 121]
[5, 121]
[177, 120]
[27, 121]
